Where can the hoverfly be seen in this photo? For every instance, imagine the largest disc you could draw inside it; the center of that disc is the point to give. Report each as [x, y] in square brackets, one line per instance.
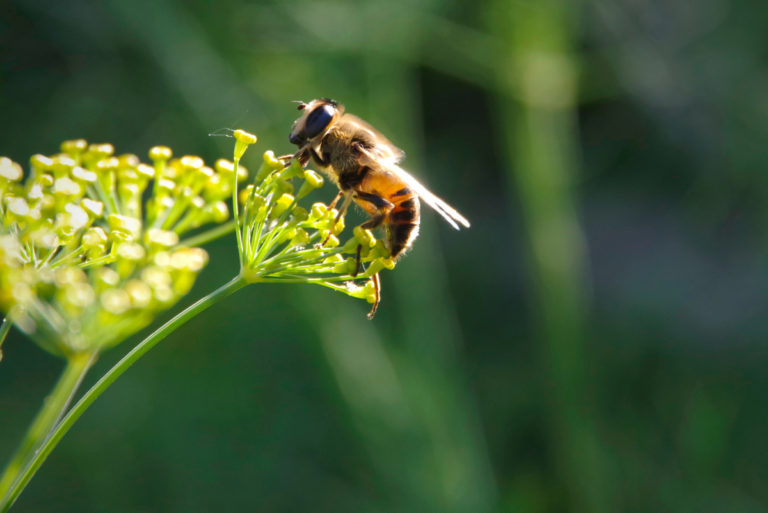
[364, 165]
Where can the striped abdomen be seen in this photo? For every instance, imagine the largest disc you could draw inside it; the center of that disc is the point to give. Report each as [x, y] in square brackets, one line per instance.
[403, 221]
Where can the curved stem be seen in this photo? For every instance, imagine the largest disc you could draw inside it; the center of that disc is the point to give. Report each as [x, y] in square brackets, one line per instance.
[38, 433]
[209, 235]
[107, 379]
[4, 329]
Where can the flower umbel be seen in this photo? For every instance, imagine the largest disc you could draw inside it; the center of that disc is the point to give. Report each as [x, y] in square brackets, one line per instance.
[90, 247]
[283, 242]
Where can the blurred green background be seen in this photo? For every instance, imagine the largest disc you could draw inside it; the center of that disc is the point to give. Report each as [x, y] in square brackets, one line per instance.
[596, 342]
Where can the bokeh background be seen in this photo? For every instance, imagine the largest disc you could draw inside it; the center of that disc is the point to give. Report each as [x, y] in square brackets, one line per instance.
[596, 342]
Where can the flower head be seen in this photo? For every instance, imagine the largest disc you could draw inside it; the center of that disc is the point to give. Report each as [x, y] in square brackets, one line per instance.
[284, 242]
[90, 248]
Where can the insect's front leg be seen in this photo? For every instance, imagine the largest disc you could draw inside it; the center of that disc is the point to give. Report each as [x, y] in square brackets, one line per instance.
[287, 158]
[336, 200]
[303, 156]
[323, 160]
[342, 211]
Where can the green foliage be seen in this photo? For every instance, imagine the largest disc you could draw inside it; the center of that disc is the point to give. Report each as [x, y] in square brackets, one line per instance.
[595, 340]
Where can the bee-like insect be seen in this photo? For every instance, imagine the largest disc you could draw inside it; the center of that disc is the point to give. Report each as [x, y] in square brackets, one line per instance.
[364, 165]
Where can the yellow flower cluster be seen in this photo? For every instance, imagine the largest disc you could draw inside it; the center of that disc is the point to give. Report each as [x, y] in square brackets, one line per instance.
[286, 243]
[89, 241]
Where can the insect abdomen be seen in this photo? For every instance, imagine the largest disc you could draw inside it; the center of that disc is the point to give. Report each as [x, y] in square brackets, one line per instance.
[403, 222]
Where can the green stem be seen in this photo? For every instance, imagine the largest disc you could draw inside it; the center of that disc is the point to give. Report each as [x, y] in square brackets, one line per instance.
[107, 379]
[236, 213]
[208, 235]
[4, 329]
[38, 433]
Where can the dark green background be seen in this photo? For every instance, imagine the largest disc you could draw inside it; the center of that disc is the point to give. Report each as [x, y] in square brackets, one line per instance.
[595, 342]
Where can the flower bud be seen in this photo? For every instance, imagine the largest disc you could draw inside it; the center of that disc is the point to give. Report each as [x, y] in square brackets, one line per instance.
[245, 194]
[61, 165]
[102, 150]
[346, 266]
[115, 301]
[160, 153]
[65, 186]
[69, 274]
[217, 212]
[334, 259]
[294, 170]
[364, 237]
[319, 210]
[129, 255]
[128, 161]
[166, 186]
[156, 238]
[191, 162]
[129, 228]
[92, 207]
[299, 214]
[74, 147]
[282, 204]
[271, 161]
[139, 293]
[79, 295]
[331, 241]
[83, 176]
[312, 181]
[156, 276]
[145, 172]
[243, 139]
[106, 278]
[94, 242]
[224, 166]
[300, 238]
[40, 163]
[10, 170]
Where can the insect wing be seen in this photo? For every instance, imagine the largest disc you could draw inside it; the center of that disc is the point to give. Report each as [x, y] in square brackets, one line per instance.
[384, 149]
[449, 213]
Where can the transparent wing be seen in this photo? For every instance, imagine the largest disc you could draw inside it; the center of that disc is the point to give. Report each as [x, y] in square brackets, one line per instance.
[449, 213]
[388, 155]
[384, 150]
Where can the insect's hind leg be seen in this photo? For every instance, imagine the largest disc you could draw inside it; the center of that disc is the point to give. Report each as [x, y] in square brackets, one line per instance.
[370, 224]
[377, 289]
[373, 222]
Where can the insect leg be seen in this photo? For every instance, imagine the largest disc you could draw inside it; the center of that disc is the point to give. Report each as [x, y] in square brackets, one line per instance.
[302, 156]
[342, 211]
[374, 222]
[370, 224]
[357, 260]
[377, 288]
[383, 208]
[336, 200]
[324, 162]
[377, 201]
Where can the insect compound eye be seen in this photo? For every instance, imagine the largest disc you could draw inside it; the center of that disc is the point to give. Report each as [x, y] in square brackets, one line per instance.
[318, 120]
